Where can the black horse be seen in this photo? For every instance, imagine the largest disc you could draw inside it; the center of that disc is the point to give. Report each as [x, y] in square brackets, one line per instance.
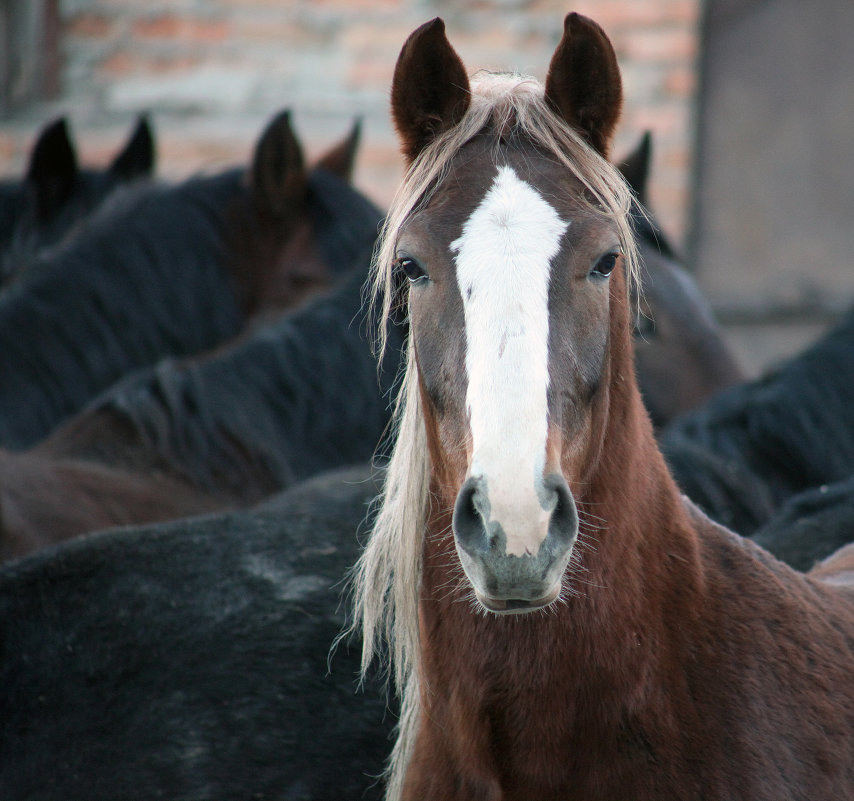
[752, 447]
[55, 193]
[190, 660]
[172, 271]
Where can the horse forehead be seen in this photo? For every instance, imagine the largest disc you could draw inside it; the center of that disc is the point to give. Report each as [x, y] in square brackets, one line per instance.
[514, 222]
[473, 174]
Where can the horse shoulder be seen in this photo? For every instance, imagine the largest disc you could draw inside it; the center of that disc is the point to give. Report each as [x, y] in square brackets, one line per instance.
[744, 568]
[769, 644]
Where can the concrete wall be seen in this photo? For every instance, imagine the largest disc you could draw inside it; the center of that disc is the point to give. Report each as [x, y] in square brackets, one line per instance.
[774, 235]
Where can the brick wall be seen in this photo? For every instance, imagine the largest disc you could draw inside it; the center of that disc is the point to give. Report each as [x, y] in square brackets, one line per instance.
[213, 71]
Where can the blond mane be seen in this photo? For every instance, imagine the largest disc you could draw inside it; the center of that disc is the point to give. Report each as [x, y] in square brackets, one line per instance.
[387, 577]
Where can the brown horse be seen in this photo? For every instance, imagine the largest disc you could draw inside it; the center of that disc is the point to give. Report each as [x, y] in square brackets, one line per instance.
[564, 624]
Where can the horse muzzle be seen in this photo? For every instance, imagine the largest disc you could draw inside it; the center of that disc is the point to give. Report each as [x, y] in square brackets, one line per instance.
[509, 578]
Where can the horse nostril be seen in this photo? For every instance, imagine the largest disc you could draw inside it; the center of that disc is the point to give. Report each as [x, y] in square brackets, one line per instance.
[564, 518]
[467, 523]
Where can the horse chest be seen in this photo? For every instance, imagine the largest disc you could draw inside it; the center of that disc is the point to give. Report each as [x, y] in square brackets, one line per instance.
[507, 719]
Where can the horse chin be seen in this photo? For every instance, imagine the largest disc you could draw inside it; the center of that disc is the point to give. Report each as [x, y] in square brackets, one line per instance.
[516, 606]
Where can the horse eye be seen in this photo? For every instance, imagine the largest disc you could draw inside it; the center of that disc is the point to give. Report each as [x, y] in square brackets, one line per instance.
[411, 268]
[605, 266]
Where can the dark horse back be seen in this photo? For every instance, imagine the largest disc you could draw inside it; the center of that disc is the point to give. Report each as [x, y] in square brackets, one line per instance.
[169, 273]
[190, 660]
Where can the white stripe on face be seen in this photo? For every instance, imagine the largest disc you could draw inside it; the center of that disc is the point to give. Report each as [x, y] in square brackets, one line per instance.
[503, 261]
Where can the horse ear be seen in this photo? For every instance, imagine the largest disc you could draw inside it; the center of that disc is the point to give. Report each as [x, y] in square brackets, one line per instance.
[583, 83]
[136, 159]
[341, 158]
[53, 168]
[278, 176]
[430, 89]
[635, 167]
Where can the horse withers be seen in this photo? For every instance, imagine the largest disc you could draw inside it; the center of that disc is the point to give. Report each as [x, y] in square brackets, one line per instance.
[563, 623]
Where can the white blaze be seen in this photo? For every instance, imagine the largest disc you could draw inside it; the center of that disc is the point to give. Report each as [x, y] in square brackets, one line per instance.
[503, 261]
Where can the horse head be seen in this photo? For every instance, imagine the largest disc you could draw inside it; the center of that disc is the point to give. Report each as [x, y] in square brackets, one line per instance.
[513, 254]
[303, 219]
[56, 193]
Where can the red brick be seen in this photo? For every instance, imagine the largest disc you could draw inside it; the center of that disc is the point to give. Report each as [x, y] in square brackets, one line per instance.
[284, 32]
[681, 82]
[8, 147]
[662, 45]
[615, 15]
[171, 26]
[375, 40]
[363, 6]
[122, 64]
[117, 65]
[90, 25]
[369, 73]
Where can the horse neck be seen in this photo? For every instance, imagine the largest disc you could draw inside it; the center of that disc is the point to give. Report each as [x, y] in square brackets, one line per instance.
[632, 515]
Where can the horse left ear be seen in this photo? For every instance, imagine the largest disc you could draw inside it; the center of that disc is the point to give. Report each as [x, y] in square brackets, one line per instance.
[583, 83]
[430, 90]
[53, 169]
[341, 158]
[278, 174]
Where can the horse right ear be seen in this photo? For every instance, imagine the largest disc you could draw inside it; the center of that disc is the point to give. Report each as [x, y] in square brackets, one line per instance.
[583, 84]
[53, 168]
[278, 175]
[635, 167]
[430, 90]
[136, 159]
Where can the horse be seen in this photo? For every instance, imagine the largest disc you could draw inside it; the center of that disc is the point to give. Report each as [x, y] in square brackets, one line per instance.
[55, 193]
[681, 356]
[747, 450]
[289, 399]
[173, 271]
[190, 659]
[562, 622]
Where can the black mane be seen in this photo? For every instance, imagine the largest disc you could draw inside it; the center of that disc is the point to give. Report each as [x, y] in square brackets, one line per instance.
[647, 230]
[297, 396]
[153, 275]
[346, 220]
[145, 277]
